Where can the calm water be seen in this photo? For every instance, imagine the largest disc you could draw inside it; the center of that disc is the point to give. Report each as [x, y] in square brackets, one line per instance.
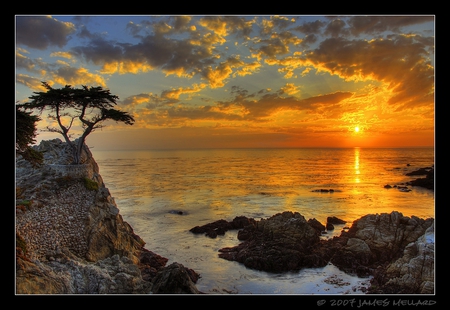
[150, 187]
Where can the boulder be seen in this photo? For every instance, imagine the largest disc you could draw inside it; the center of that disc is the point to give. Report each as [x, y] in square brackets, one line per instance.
[386, 235]
[175, 279]
[412, 273]
[282, 242]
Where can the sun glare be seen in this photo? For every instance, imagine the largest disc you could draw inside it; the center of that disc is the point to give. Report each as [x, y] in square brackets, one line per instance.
[356, 129]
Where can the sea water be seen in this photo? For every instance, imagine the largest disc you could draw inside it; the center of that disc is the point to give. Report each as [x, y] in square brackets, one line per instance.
[162, 194]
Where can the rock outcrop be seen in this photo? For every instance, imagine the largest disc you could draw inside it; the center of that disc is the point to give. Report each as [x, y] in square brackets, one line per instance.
[283, 242]
[398, 251]
[412, 272]
[427, 181]
[71, 238]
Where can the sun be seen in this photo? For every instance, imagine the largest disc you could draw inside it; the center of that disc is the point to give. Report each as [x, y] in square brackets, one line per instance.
[356, 129]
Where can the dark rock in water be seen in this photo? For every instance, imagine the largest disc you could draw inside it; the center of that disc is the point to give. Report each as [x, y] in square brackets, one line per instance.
[175, 279]
[403, 189]
[323, 190]
[420, 171]
[179, 212]
[283, 242]
[427, 182]
[316, 225]
[219, 227]
[335, 220]
[397, 250]
[329, 226]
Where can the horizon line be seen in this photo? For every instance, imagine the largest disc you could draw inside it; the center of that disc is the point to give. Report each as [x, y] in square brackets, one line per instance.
[261, 148]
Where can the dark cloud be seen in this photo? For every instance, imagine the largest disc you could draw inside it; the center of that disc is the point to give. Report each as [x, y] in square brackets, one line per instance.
[26, 63]
[100, 51]
[336, 28]
[309, 39]
[41, 32]
[376, 24]
[180, 23]
[308, 28]
[156, 51]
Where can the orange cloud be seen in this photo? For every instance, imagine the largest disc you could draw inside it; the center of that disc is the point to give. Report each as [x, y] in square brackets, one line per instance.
[176, 93]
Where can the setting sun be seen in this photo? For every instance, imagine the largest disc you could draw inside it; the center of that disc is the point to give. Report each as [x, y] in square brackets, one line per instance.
[240, 81]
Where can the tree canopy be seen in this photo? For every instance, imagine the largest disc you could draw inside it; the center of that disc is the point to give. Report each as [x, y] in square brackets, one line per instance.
[25, 136]
[87, 107]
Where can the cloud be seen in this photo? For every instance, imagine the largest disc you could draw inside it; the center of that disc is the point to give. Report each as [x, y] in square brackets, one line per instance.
[243, 107]
[77, 76]
[336, 28]
[41, 32]
[225, 25]
[273, 23]
[311, 28]
[176, 93]
[23, 62]
[385, 60]
[290, 89]
[31, 82]
[271, 103]
[376, 24]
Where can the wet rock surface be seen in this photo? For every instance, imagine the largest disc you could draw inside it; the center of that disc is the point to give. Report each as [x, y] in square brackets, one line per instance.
[426, 182]
[398, 251]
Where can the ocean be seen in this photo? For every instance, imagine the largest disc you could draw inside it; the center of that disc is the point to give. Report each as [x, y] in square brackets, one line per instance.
[162, 194]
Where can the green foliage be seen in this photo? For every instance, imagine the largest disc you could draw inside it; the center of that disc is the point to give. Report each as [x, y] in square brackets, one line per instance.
[90, 184]
[91, 106]
[25, 136]
[25, 203]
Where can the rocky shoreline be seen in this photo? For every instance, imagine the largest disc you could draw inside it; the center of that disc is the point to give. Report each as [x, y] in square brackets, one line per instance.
[71, 239]
[398, 251]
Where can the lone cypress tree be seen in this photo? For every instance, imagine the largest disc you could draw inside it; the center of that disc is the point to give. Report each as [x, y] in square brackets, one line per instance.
[91, 106]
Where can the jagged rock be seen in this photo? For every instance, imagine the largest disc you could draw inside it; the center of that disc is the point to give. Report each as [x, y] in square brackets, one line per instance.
[427, 182]
[397, 250]
[412, 273]
[335, 220]
[175, 279]
[282, 242]
[219, 227]
[73, 239]
[316, 225]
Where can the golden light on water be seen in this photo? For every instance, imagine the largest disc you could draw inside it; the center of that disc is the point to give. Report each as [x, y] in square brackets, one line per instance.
[357, 172]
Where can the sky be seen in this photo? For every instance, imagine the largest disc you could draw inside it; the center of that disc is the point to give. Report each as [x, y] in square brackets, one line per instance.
[240, 81]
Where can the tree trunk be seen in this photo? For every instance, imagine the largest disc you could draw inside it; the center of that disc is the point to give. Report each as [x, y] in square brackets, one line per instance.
[78, 147]
[75, 153]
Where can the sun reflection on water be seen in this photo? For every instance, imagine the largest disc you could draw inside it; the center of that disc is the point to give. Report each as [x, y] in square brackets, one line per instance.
[357, 172]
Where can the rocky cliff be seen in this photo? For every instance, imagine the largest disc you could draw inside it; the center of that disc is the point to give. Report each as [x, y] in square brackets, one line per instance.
[71, 238]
